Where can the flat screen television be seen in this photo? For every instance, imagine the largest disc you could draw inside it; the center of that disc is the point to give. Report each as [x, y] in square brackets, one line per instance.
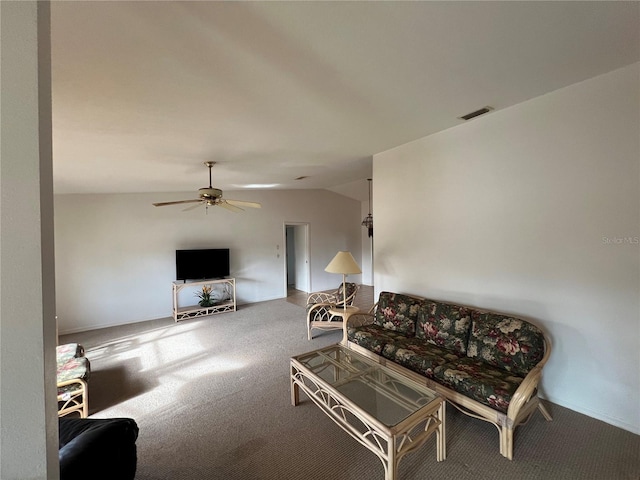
[202, 264]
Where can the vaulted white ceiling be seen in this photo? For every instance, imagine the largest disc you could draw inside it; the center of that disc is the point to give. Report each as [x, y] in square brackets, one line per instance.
[145, 92]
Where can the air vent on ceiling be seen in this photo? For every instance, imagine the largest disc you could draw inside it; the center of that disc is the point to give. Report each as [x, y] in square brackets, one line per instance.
[475, 114]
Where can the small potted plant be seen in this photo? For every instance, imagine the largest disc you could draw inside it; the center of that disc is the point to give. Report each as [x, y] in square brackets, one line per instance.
[205, 296]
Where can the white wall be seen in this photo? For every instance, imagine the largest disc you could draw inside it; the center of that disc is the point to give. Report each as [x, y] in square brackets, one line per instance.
[360, 189]
[28, 419]
[115, 254]
[533, 210]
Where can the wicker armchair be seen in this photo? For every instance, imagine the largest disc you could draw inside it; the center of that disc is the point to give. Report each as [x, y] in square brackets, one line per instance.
[319, 303]
[73, 370]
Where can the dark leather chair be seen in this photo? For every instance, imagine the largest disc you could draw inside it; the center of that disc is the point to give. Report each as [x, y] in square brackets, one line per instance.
[97, 448]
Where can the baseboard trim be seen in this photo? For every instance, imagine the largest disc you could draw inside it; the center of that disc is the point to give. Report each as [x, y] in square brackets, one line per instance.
[88, 328]
[603, 417]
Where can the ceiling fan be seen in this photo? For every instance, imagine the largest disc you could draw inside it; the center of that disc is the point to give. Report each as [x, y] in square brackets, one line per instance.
[211, 197]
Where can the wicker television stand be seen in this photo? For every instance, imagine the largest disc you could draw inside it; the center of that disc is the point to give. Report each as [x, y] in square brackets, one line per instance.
[227, 304]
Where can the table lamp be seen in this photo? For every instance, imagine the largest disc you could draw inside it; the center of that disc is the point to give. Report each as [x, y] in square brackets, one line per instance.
[345, 264]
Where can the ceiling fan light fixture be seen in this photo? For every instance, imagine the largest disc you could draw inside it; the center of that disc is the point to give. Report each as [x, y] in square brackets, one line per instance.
[210, 192]
[212, 197]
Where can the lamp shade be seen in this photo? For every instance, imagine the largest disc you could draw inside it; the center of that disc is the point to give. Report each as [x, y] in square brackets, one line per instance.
[343, 263]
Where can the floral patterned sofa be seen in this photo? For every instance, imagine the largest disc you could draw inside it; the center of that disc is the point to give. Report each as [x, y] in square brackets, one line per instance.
[485, 364]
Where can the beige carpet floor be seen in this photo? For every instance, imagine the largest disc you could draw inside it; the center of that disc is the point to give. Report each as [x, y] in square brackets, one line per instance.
[211, 397]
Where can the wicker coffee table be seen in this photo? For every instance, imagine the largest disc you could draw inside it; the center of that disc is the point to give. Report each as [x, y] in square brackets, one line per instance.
[389, 414]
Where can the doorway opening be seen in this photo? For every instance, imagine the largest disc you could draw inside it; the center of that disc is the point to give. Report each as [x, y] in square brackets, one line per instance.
[297, 271]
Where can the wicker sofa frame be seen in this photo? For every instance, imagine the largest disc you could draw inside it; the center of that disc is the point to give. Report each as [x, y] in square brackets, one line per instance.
[523, 403]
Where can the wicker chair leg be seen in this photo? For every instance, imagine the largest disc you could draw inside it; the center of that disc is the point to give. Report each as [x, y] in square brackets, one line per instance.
[506, 442]
[85, 403]
[545, 413]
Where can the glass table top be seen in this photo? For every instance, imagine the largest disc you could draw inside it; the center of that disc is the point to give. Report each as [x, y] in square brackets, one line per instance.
[382, 393]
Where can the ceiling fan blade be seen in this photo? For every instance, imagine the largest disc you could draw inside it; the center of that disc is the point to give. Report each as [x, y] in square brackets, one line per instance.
[164, 204]
[228, 206]
[242, 203]
[191, 207]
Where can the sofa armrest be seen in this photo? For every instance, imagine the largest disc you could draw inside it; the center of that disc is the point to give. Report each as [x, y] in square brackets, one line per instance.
[529, 385]
[360, 319]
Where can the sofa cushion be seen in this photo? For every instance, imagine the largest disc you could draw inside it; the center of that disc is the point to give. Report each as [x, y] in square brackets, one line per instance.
[479, 381]
[73, 369]
[372, 337]
[444, 325]
[66, 352]
[397, 312]
[350, 288]
[505, 342]
[417, 355]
